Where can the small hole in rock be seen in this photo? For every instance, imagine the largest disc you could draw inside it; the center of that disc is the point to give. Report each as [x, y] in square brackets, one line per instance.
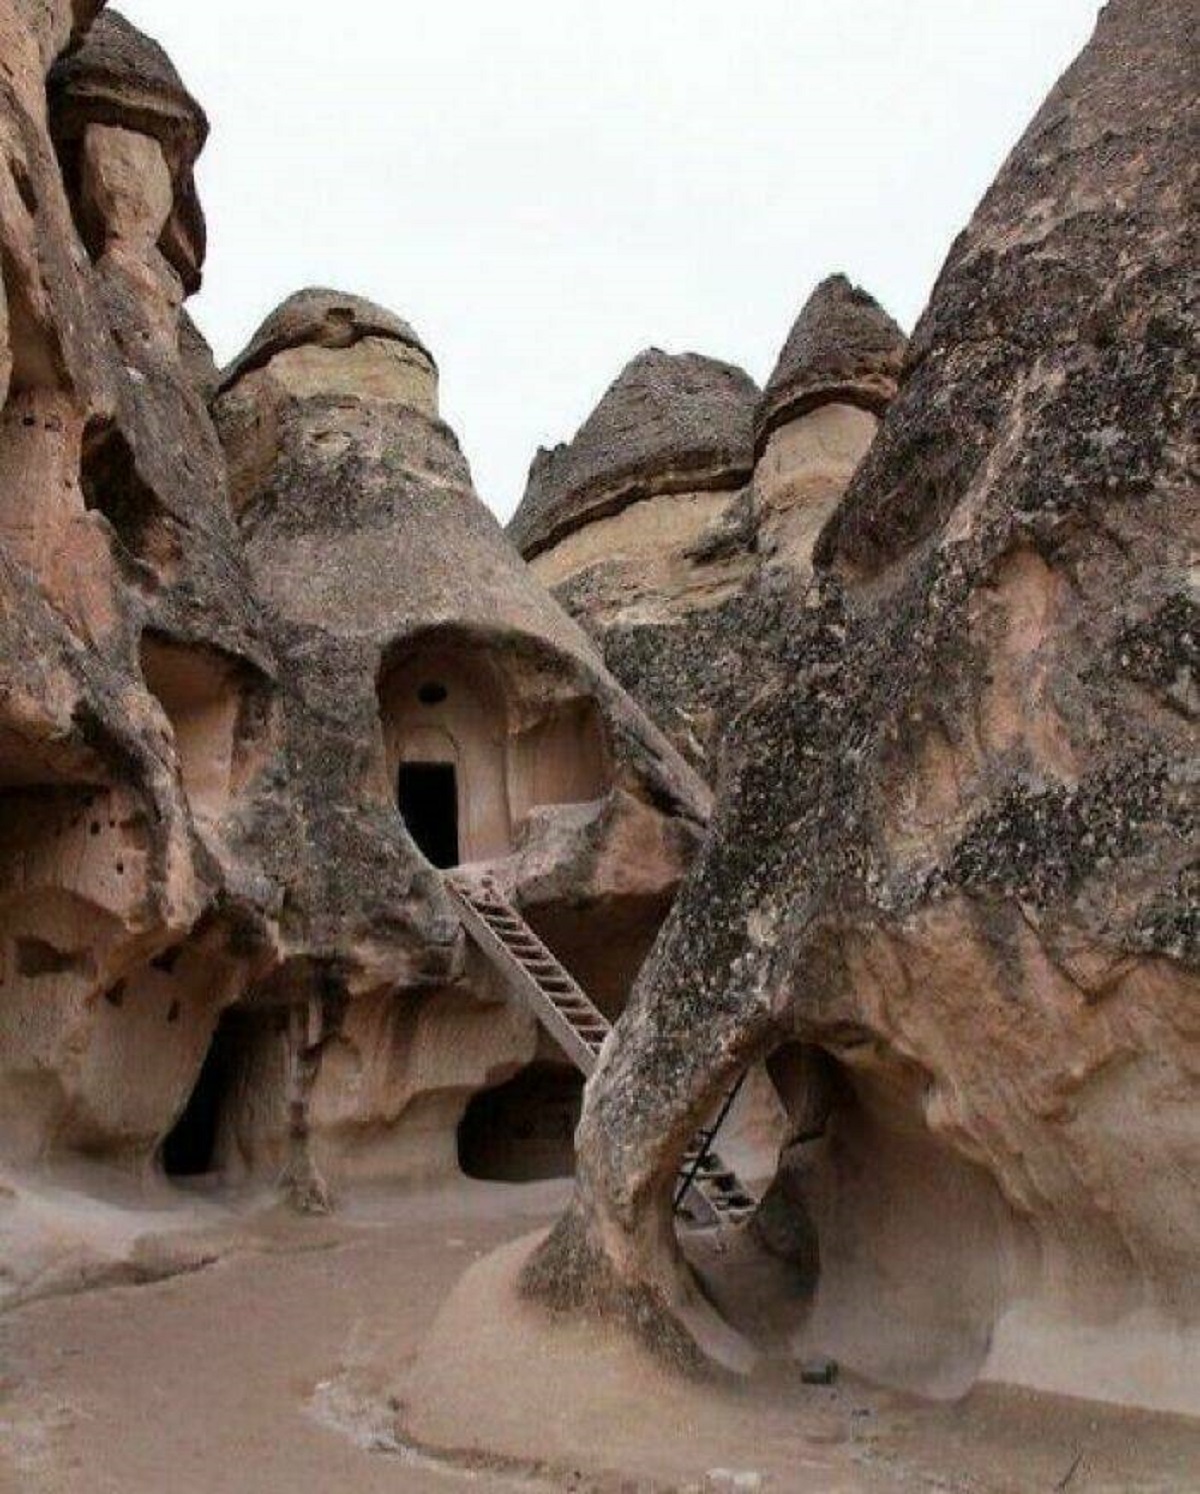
[36, 957]
[432, 693]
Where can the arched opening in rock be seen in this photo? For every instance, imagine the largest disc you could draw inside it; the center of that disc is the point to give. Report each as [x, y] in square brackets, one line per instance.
[201, 695]
[561, 758]
[190, 1148]
[878, 1242]
[427, 794]
[523, 1130]
[506, 730]
[446, 730]
[111, 485]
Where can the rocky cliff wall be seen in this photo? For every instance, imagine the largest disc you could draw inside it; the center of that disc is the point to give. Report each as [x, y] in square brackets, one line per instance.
[950, 893]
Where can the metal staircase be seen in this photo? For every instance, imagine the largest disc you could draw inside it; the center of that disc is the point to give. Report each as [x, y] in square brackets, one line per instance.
[708, 1191]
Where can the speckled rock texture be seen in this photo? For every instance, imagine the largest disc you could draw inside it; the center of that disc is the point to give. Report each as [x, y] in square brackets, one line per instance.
[954, 849]
[127, 913]
[844, 348]
[214, 636]
[668, 423]
[671, 582]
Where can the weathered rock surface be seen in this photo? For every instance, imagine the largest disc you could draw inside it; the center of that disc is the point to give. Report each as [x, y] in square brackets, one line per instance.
[122, 80]
[408, 631]
[638, 527]
[668, 423]
[955, 827]
[664, 569]
[115, 541]
[833, 381]
[220, 945]
[843, 349]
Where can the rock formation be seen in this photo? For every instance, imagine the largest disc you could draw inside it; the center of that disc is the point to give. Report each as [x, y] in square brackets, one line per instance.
[118, 553]
[413, 642]
[221, 946]
[834, 379]
[637, 526]
[950, 890]
[269, 668]
[686, 495]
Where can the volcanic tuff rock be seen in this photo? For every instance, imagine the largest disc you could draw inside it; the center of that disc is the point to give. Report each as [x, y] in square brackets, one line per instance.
[636, 526]
[667, 574]
[214, 664]
[843, 349]
[953, 856]
[385, 575]
[121, 78]
[669, 423]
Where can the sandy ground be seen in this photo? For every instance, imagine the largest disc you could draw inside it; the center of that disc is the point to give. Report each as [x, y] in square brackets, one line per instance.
[291, 1364]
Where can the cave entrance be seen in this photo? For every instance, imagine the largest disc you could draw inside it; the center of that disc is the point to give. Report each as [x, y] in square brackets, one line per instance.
[191, 1145]
[427, 793]
[524, 1130]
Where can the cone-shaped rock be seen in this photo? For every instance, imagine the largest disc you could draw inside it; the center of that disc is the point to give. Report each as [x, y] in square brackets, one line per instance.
[947, 889]
[669, 422]
[637, 526]
[843, 348]
[439, 702]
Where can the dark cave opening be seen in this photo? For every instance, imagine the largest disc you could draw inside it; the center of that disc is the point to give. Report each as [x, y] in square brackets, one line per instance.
[190, 1147]
[524, 1130]
[427, 793]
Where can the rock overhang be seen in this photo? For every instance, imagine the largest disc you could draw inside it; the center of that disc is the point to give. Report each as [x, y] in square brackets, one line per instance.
[843, 348]
[120, 78]
[320, 317]
[669, 423]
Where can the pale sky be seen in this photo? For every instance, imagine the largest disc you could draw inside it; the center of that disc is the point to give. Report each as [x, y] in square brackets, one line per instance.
[545, 187]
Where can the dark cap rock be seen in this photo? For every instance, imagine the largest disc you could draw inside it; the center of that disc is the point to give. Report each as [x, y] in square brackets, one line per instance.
[120, 77]
[670, 422]
[843, 348]
[319, 317]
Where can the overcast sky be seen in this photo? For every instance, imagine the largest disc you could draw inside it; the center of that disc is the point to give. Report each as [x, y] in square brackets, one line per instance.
[544, 187]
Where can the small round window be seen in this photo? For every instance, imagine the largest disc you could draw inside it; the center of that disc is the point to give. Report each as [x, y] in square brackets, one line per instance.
[431, 694]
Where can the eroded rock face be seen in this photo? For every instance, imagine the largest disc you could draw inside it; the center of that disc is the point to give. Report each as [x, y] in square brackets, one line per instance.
[834, 379]
[421, 658]
[952, 847]
[220, 945]
[104, 463]
[658, 529]
[637, 526]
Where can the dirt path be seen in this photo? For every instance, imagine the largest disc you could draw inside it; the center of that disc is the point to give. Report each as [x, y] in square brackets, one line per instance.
[274, 1370]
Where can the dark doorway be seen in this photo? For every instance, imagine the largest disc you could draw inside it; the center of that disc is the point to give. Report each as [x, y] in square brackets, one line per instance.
[525, 1129]
[189, 1150]
[428, 797]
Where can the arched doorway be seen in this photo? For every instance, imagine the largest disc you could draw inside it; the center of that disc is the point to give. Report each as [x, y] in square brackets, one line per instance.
[445, 728]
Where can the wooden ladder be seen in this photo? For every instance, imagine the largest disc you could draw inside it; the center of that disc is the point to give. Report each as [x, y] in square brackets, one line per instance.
[708, 1192]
